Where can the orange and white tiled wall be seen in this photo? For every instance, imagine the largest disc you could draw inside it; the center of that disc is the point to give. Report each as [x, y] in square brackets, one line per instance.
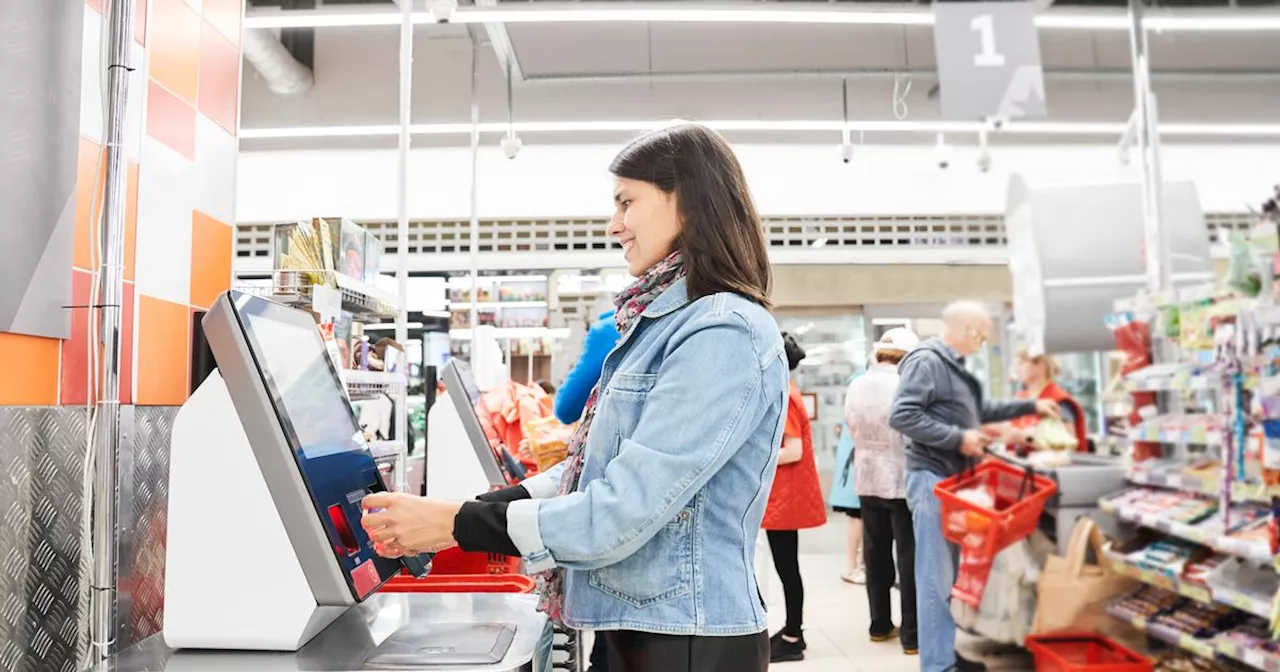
[181, 127]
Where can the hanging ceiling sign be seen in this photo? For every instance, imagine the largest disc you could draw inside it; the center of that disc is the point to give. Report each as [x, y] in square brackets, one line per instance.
[988, 60]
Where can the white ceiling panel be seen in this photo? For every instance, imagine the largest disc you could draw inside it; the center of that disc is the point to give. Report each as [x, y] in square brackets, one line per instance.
[697, 48]
[1186, 51]
[575, 49]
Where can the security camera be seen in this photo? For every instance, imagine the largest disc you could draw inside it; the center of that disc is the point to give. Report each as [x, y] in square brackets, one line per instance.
[943, 152]
[511, 145]
[442, 9]
[846, 152]
[998, 123]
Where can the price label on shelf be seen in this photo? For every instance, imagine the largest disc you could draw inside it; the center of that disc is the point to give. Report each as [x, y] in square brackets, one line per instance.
[327, 301]
[988, 56]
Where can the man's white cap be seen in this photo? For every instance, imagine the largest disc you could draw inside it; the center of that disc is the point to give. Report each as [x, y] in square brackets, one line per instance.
[898, 338]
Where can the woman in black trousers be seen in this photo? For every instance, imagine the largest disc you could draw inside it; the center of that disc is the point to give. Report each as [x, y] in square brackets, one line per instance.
[880, 480]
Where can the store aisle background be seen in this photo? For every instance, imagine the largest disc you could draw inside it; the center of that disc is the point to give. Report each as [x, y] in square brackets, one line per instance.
[837, 617]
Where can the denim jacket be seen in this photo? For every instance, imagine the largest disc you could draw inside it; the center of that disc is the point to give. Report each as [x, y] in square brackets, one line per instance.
[660, 534]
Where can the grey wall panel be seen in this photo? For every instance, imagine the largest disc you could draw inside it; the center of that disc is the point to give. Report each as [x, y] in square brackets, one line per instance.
[43, 589]
[40, 114]
[143, 518]
[41, 582]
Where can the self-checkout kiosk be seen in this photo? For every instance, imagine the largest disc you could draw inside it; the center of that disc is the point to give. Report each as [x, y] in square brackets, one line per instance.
[265, 546]
[461, 459]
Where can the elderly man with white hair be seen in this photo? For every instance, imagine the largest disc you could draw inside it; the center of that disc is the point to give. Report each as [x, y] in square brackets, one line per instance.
[940, 408]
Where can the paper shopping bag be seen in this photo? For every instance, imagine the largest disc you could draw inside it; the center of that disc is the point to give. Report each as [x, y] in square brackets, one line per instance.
[1073, 594]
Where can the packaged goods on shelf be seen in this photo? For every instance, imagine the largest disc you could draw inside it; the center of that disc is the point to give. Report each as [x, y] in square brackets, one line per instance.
[343, 336]
[351, 262]
[306, 248]
[1244, 586]
[372, 258]
[1196, 429]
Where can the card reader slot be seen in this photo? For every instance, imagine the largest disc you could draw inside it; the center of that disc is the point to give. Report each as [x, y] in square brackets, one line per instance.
[341, 524]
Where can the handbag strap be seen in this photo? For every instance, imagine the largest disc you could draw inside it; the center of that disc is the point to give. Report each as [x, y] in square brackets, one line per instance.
[1084, 535]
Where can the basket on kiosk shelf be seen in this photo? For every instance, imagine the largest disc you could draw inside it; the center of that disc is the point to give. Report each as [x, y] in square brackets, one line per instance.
[1017, 498]
[461, 583]
[457, 571]
[1084, 653]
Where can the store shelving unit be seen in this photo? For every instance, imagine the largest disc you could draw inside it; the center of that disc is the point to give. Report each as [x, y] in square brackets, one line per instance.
[330, 293]
[1213, 454]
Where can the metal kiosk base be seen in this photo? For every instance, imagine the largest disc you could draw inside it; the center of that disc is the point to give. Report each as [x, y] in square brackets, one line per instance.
[350, 643]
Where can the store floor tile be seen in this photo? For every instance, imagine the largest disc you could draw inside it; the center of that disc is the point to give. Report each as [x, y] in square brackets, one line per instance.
[837, 618]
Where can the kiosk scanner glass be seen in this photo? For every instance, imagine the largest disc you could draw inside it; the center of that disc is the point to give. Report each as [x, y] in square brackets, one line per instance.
[321, 427]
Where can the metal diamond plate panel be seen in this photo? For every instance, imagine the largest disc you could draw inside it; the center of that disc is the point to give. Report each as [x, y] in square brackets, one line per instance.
[41, 582]
[143, 510]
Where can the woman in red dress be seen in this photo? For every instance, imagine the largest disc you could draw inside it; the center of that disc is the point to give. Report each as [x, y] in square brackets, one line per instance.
[795, 503]
[1037, 374]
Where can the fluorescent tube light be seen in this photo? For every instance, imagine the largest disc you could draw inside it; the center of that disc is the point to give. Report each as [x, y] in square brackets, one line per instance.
[647, 12]
[931, 127]
[697, 12]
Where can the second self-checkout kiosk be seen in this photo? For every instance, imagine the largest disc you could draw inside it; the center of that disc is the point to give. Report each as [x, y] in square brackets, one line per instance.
[265, 548]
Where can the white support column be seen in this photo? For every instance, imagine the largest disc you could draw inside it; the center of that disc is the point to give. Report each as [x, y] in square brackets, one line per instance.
[473, 244]
[402, 234]
[1159, 274]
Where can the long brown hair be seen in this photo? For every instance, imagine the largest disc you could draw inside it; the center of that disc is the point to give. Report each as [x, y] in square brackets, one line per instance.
[721, 239]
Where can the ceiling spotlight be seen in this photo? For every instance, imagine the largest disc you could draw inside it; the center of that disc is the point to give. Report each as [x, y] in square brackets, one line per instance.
[943, 152]
[511, 145]
[442, 10]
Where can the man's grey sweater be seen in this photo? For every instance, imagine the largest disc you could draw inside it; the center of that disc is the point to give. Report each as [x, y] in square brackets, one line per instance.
[937, 401]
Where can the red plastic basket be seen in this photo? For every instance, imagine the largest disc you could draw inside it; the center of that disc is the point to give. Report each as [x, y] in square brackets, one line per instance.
[1018, 504]
[1084, 653]
[456, 561]
[461, 583]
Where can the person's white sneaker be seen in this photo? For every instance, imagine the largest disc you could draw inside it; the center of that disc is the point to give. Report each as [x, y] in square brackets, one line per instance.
[856, 576]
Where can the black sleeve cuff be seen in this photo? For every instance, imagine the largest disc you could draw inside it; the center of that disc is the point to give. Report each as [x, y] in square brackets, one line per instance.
[514, 493]
[482, 527]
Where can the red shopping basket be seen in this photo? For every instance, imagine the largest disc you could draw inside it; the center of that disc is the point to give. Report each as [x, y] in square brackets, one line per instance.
[461, 583]
[980, 532]
[1020, 496]
[1084, 653]
[457, 561]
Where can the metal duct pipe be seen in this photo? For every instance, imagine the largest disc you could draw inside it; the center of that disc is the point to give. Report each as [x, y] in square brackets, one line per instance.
[106, 440]
[284, 75]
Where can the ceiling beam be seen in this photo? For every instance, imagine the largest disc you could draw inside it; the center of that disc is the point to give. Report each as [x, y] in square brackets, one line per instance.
[635, 11]
[1091, 74]
[502, 47]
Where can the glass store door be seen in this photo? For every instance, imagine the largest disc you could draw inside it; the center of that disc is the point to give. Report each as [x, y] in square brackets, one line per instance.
[836, 350]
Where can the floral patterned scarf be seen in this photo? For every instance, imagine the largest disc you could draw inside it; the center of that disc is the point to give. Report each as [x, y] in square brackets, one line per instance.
[631, 303]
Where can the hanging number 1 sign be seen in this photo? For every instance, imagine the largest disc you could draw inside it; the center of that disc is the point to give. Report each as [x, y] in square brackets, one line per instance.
[988, 60]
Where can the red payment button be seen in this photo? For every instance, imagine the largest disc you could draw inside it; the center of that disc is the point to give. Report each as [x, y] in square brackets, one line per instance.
[365, 578]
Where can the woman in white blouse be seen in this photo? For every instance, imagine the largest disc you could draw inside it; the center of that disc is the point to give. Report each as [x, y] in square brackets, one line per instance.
[880, 479]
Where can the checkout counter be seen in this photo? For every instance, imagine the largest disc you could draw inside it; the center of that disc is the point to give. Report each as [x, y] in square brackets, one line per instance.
[268, 567]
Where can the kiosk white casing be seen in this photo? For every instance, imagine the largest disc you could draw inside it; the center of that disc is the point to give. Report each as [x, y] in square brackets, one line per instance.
[207, 606]
[249, 563]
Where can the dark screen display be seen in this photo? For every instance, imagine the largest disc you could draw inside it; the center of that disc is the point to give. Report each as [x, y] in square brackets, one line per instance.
[311, 404]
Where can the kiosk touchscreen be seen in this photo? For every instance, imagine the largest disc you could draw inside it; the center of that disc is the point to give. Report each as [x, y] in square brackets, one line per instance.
[268, 469]
[464, 392]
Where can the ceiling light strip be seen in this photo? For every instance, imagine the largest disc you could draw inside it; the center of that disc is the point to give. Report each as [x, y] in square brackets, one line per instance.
[575, 127]
[695, 12]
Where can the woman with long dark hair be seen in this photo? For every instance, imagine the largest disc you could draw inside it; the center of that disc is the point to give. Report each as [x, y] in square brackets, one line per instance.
[647, 530]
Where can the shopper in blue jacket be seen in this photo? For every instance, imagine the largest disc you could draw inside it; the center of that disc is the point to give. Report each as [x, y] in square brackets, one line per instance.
[573, 394]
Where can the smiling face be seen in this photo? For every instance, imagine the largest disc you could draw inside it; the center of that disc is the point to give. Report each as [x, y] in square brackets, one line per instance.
[645, 221]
